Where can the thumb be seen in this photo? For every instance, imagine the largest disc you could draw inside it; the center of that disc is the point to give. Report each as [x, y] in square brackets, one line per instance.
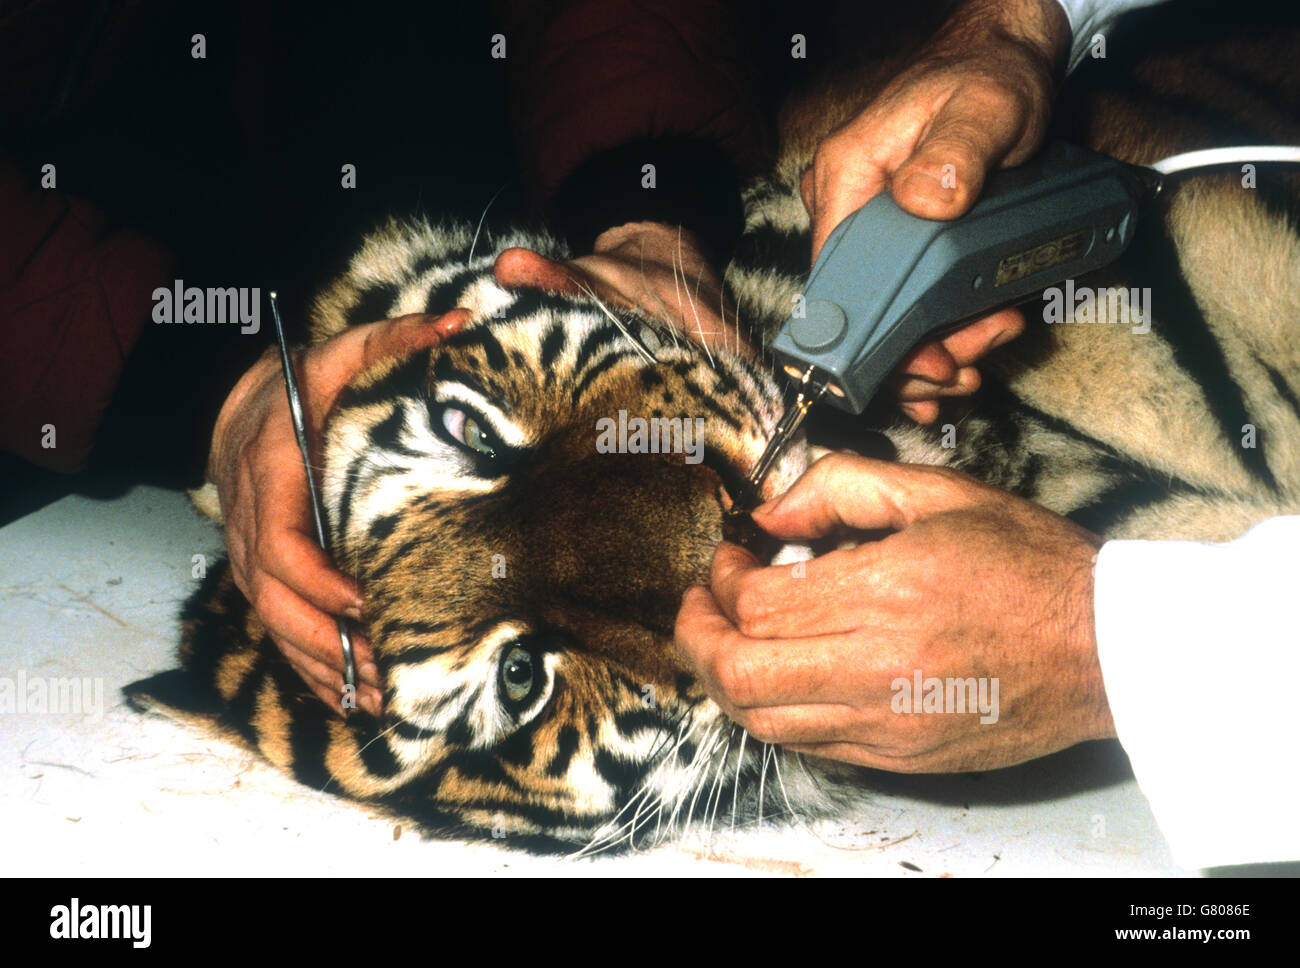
[845, 490]
[516, 267]
[946, 171]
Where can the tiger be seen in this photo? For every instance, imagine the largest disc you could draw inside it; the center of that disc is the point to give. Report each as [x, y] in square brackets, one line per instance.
[522, 583]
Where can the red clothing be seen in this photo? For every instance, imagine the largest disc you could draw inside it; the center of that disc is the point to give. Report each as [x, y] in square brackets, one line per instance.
[74, 297]
[588, 75]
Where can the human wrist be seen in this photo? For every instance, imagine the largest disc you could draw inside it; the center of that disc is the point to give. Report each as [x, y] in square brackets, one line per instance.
[231, 409]
[1079, 632]
[1039, 29]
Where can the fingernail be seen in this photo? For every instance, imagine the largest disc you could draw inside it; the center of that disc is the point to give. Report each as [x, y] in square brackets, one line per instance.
[927, 186]
[369, 672]
[353, 612]
[372, 703]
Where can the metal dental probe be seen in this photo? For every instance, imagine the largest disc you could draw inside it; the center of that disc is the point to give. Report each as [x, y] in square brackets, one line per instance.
[785, 430]
[737, 524]
[300, 431]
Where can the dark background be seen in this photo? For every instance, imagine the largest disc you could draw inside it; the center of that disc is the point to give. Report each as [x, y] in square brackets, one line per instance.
[233, 164]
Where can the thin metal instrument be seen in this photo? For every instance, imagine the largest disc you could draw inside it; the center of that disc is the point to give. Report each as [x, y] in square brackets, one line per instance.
[809, 393]
[300, 431]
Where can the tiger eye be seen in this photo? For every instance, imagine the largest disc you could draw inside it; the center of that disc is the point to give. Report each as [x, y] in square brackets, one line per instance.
[517, 673]
[476, 438]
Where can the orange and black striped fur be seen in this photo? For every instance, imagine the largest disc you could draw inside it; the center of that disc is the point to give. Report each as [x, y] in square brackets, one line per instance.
[522, 585]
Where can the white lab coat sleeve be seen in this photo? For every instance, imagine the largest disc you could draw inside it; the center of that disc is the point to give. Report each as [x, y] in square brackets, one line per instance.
[1200, 653]
[1091, 17]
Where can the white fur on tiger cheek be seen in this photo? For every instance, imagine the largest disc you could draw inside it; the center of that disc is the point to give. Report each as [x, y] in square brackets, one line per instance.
[789, 467]
[434, 693]
[385, 481]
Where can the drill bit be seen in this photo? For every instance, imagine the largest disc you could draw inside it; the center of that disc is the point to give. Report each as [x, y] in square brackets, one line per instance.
[791, 421]
[738, 525]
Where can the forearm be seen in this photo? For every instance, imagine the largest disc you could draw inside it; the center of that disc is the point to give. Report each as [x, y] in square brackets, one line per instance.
[1038, 27]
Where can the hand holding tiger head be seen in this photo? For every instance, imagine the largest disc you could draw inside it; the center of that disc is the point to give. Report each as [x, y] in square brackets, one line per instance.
[654, 268]
[255, 464]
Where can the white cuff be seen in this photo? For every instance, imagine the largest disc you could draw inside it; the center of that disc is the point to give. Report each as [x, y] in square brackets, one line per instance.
[1200, 652]
[1091, 17]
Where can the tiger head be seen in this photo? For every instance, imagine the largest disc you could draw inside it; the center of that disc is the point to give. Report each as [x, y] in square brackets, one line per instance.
[524, 506]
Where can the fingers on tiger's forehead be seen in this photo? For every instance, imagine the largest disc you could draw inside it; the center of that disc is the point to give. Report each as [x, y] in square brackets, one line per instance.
[524, 267]
[407, 334]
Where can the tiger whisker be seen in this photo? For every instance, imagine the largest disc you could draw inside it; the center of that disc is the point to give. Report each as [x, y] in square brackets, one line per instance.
[699, 326]
[699, 279]
[715, 793]
[780, 782]
[735, 793]
[722, 315]
[656, 805]
[474, 243]
[606, 835]
[698, 778]
[357, 755]
[714, 737]
[601, 842]
[667, 316]
[678, 793]
[636, 343]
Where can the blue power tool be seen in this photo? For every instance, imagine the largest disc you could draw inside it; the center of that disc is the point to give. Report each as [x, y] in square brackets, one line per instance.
[886, 280]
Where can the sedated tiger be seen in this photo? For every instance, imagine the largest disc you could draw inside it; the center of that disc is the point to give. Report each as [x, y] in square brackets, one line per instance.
[522, 582]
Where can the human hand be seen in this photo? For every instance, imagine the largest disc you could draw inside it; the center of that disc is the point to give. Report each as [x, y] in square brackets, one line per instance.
[655, 268]
[256, 465]
[977, 95]
[974, 582]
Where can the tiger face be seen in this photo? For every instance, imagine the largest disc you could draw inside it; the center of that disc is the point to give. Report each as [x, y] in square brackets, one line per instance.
[523, 507]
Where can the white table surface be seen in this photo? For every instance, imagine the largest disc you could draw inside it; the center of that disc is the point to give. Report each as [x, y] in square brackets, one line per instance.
[92, 588]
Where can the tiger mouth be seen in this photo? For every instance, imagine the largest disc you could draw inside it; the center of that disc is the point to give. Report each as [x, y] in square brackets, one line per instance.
[735, 485]
[738, 525]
